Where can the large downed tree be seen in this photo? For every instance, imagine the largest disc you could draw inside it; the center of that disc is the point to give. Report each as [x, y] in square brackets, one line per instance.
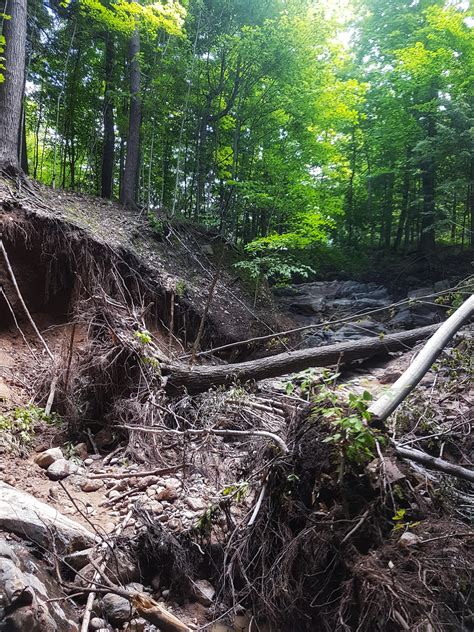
[197, 379]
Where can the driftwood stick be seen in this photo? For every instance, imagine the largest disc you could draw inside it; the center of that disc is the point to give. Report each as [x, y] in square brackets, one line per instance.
[435, 463]
[156, 472]
[20, 297]
[391, 399]
[97, 576]
[221, 433]
[156, 614]
[258, 504]
[52, 393]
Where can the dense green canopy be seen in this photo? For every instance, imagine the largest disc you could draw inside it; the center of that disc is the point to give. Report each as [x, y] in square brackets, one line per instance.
[291, 126]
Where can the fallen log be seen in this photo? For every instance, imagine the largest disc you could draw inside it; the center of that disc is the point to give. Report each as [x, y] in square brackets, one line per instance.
[435, 463]
[392, 398]
[198, 379]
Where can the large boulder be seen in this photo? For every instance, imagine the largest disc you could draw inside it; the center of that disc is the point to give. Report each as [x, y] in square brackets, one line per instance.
[25, 587]
[28, 517]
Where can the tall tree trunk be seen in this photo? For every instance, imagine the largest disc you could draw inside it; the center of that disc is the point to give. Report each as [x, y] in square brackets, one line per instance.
[403, 219]
[389, 179]
[37, 133]
[471, 201]
[108, 152]
[428, 184]
[23, 150]
[350, 191]
[130, 174]
[454, 217]
[11, 90]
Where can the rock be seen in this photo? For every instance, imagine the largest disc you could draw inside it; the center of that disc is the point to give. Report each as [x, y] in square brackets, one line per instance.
[81, 451]
[46, 458]
[104, 438]
[123, 567]
[156, 583]
[428, 317]
[61, 469]
[116, 608]
[137, 625]
[88, 461]
[91, 485]
[114, 493]
[78, 559]
[28, 517]
[440, 286]
[389, 376]
[402, 320]
[97, 623]
[371, 303]
[422, 291]
[5, 392]
[196, 504]
[388, 470]
[168, 493]
[155, 507]
[207, 249]
[24, 587]
[408, 539]
[165, 593]
[204, 592]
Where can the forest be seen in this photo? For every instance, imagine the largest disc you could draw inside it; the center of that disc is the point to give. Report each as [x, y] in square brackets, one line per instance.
[236, 315]
[290, 127]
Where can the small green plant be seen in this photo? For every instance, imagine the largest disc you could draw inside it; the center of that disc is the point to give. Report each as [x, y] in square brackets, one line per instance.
[20, 423]
[274, 343]
[143, 336]
[180, 288]
[204, 523]
[354, 437]
[399, 519]
[237, 491]
[156, 224]
[153, 362]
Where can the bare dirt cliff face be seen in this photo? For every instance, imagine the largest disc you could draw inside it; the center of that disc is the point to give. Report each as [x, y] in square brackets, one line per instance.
[61, 240]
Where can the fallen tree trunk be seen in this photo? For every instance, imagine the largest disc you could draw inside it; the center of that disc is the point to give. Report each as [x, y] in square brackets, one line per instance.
[392, 398]
[435, 463]
[201, 378]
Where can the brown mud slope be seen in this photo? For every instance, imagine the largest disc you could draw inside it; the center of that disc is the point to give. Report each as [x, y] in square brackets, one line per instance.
[65, 245]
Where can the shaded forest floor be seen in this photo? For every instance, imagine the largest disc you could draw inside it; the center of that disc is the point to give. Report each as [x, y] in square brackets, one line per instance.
[228, 534]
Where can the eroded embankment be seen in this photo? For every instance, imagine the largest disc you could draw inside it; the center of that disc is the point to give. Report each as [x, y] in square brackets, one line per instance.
[312, 536]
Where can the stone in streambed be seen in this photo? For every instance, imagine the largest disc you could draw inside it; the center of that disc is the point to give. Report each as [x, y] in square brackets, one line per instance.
[116, 608]
[91, 485]
[61, 469]
[48, 457]
[204, 592]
